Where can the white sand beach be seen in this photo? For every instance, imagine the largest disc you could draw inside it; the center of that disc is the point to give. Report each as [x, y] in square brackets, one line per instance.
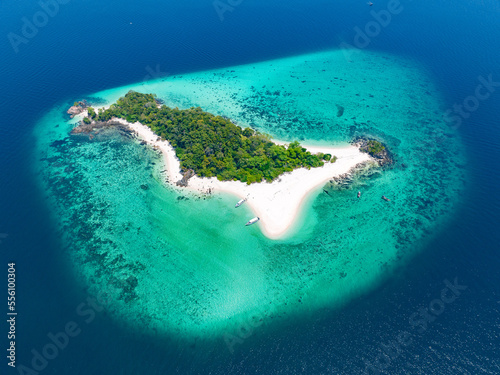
[277, 204]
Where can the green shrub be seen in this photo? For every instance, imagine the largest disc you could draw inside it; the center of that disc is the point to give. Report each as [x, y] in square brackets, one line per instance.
[375, 147]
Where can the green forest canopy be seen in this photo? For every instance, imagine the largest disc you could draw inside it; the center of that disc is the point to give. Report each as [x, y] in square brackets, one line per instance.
[212, 145]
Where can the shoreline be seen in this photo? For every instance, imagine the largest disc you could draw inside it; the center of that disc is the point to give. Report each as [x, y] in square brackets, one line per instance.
[279, 203]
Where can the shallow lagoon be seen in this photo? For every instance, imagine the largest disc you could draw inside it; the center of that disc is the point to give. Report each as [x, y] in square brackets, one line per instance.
[179, 264]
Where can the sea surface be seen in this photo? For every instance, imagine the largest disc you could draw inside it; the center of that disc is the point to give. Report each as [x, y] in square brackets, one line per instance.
[160, 282]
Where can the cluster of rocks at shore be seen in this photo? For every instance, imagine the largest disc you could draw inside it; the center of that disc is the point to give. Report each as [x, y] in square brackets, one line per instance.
[376, 149]
[345, 179]
[83, 128]
[95, 127]
[77, 108]
[381, 158]
[186, 175]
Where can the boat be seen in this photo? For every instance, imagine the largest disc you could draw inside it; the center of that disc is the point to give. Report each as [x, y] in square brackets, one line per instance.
[240, 202]
[253, 221]
[385, 198]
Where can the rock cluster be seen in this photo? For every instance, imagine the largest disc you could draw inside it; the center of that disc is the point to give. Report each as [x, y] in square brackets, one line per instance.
[345, 179]
[78, 108]
[185, 178]
[83, 128]
[376, 149]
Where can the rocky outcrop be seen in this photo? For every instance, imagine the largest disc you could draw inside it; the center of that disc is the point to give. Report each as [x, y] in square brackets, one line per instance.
[77, 108]
[359, 172]
[375, 149]
[381, 158]
[185, 178]
[345, 179]
[83, 128]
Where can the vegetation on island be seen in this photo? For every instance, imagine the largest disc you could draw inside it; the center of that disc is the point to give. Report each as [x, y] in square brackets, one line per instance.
[375, 147]
[212, 145]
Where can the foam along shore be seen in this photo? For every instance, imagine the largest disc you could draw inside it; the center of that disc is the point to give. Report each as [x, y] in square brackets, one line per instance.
[277, 204]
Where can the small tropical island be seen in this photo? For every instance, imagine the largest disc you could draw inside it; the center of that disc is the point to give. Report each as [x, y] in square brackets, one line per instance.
[211, 146]
[208, 154]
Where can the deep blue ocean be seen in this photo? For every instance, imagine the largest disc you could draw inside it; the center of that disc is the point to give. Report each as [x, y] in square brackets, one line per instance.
[88, 46]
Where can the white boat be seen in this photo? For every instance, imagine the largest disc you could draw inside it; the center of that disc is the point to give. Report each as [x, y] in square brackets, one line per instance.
[253, 221]
[240, 202]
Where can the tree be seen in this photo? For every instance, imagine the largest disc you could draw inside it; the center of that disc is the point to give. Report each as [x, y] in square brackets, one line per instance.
[247, 132]
[91, 112]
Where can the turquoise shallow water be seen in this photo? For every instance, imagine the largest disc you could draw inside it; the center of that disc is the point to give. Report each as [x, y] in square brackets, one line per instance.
[185, 265]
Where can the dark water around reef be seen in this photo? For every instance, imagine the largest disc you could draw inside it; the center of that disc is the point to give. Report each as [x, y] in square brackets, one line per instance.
[89, 47]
